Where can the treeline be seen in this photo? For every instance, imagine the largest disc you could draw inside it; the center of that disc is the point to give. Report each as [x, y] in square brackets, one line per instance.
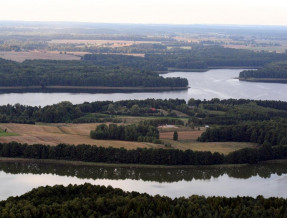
[79, 73]
[199, 57]
[141, 132]
[233, 112]
[90, 153]
[67, 112]
[98, 201]
[123, 60]
[201, 112]
[268, 132]
[273, 70]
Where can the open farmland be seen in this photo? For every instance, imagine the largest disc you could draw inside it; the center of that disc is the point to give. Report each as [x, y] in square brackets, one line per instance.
[101, 43]
[54, 134]
[187, 140]
[33, 55]
[183, 135]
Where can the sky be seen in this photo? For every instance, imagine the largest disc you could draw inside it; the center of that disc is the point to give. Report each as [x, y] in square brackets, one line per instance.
[247, 12]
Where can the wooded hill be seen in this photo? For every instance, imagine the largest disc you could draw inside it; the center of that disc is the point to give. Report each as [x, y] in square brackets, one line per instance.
[98, 201]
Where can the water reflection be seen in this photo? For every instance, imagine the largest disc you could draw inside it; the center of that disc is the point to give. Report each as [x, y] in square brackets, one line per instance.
[167, 175]
[267, 180]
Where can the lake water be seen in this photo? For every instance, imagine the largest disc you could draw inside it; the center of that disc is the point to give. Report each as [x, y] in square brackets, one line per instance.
[219, 83]
[267, 180]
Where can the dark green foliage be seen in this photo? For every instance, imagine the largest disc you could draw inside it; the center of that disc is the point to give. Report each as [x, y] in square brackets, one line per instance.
[175, 136]
[123, 60]
[273, 70]
[272, 132]
[90, 153]
[66, 112]
[141, 132]
[79, 73]
[98, 201]
[199, 57]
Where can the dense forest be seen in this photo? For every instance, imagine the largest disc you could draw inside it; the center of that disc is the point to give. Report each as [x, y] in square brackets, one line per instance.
[79, 73]
[199, 57]
[270, 132]
[90, 153]
[98, 201]
[277, 70]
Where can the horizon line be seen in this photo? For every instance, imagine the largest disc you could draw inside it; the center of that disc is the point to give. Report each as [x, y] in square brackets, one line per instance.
[156, 24]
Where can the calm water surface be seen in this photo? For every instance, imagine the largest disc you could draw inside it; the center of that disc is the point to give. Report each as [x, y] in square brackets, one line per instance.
[203, 85]
[267, 180]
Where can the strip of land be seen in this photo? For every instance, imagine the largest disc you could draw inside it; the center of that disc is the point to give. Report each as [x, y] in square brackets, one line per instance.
[86, 89]
[264, 80]
[54, 134]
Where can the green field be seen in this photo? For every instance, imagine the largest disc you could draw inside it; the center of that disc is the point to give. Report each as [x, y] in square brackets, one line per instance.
[3, 133]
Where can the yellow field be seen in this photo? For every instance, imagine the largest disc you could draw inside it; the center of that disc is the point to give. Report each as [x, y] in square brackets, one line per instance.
[182, 135]
[221, 147]
[54, 134]
[43, 55]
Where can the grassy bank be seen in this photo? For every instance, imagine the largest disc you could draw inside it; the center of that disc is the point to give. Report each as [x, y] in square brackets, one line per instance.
[81, 163]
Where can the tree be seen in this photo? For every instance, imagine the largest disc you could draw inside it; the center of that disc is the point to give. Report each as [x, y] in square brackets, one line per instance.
[135, 109]
[175, 136]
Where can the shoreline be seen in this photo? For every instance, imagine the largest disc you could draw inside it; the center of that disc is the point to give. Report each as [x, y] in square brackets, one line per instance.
[86, 89]
[82, 163]
[172, 70]
[263, 80]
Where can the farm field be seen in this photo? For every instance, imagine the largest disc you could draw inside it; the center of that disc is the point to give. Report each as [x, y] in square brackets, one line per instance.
[43, 55]
[101, 43]
[221, 147]
[54, 134]
[187, 140]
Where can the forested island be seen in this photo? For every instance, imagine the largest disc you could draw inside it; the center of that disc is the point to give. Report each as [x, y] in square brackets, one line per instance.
[272, 73]
[78, 75]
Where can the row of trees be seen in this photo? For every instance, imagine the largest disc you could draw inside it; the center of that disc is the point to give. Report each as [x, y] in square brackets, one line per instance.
[215, 111]
[90, 153]
[67, 112]
[98, 201]
[141, 132]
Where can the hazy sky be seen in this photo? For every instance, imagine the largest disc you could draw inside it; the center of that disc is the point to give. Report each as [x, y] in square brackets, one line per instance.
[265, 12]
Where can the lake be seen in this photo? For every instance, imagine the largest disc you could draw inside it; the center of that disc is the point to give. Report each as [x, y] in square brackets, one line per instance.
[219, 83]
[268, 180]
